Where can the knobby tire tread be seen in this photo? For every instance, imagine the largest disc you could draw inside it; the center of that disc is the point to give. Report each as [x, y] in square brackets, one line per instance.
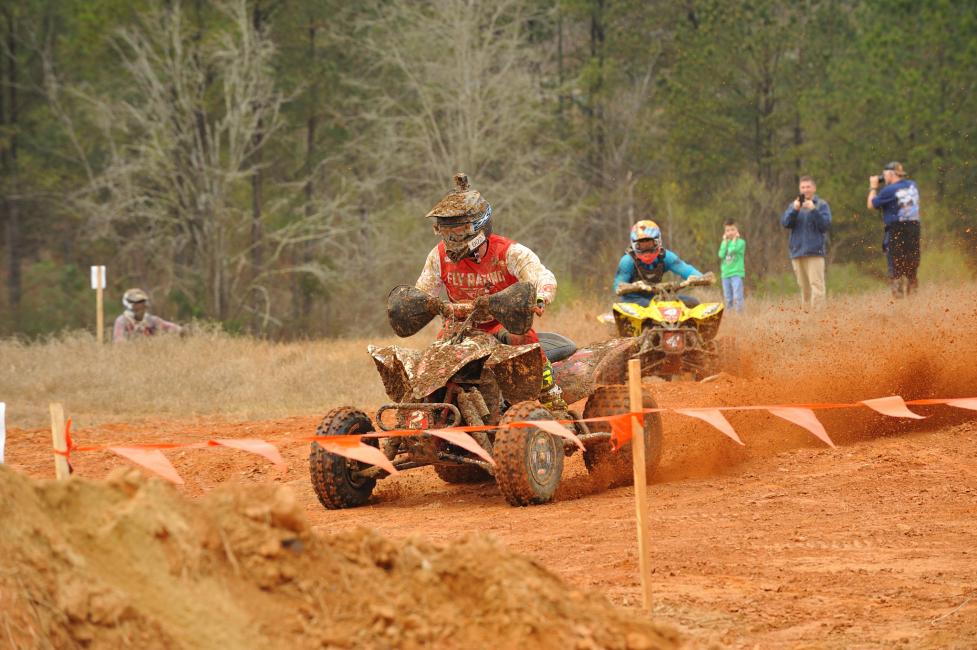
[510, 453]
[328, 471]
[599, 458]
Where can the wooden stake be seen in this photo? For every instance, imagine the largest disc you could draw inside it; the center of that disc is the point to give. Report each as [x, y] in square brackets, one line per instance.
[98, 284]
[99, 314]
[61, 471]
[640, 480]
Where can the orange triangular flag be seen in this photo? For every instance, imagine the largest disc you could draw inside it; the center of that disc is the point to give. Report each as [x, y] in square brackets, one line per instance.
[359, 451]
[965, 403]
[553, 427]
[151, 459]
[621, 431]
[892, 406]
[713, 417]
[463, 440]
[803, 418]
[259, 447]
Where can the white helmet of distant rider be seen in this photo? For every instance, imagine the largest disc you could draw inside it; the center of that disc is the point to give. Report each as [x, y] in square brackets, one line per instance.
[136, 302]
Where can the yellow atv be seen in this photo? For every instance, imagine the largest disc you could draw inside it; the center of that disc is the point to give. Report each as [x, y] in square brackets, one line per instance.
[672, 338]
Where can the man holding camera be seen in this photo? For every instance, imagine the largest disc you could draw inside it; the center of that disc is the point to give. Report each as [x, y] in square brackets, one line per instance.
[808, 218]
[899, 202]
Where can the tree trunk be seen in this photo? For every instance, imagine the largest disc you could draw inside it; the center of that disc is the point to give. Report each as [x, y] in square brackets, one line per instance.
[12, 253]
[798, 141]
[561, 97]
[8, 163]
[257, 261]
[597, 137]
[301, 296]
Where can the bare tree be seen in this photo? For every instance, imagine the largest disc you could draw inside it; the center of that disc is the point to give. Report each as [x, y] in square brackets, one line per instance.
[185, 149]
[454, 87]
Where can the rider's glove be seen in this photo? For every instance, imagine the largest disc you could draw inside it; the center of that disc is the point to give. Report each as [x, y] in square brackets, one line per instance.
[632, 287]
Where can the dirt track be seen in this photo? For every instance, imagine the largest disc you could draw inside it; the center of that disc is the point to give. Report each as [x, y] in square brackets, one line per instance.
[869, 544]
[781, 543]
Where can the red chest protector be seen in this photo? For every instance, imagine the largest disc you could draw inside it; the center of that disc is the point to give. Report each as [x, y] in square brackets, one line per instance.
[466, 280]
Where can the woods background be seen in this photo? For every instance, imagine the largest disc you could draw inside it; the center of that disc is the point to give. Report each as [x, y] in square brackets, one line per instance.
[267, 164]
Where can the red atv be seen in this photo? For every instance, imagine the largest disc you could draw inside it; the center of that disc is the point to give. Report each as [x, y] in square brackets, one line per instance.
[467, 377]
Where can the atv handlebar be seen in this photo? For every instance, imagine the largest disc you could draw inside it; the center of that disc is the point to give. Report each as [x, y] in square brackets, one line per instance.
[409, 309]
[666, 287]
[455, 310]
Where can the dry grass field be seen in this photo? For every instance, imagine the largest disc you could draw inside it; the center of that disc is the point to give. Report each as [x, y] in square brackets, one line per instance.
[927, 344]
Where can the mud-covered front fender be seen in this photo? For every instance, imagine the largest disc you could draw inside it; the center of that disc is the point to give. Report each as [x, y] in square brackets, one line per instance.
[409, 375]
[518, 370]
[396, 366]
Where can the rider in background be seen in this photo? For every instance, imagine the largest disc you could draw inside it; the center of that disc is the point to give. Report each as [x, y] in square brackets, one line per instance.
[470, 261]
[644, 264]
[136, 321]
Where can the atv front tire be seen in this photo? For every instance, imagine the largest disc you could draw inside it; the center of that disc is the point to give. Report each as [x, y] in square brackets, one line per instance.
[332, 475]
[615, 468]
[529, 461]
[462, 474]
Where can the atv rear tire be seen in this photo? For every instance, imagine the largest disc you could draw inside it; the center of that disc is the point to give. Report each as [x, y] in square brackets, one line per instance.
[332, 475]
[462, 474]
[616, 467]
[529, 461]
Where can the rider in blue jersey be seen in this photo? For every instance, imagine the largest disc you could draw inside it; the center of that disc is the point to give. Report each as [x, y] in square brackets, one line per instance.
[646, 261]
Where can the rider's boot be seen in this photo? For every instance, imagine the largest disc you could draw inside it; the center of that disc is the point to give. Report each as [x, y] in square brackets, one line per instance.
[551, 395]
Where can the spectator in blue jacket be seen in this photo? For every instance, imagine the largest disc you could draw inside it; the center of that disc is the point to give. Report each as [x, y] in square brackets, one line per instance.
[646, 260]
[808, 218]
[899, 201]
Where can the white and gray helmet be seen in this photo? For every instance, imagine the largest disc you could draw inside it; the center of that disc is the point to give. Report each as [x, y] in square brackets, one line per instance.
[132, 296]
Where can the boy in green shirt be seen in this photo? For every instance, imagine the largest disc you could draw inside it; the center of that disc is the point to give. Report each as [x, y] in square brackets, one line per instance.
[732, 251]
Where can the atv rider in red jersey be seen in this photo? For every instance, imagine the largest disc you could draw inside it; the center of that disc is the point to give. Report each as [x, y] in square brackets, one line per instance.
[470, 261]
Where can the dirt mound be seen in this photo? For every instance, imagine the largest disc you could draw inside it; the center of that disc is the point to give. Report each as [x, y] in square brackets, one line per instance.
[131, 562]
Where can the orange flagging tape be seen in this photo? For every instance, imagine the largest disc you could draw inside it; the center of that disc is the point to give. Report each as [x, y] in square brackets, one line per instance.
[150, 455]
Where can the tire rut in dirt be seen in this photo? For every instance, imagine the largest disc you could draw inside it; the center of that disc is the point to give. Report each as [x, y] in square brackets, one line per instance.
[615, 468]
[462, 474]
[529, 462]
[331, 474]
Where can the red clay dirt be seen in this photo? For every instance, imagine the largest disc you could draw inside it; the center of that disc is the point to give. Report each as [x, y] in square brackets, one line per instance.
[871, 544]
[132, 563]
[781, 543]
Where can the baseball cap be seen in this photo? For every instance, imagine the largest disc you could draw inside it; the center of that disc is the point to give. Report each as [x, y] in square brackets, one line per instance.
[896, 167]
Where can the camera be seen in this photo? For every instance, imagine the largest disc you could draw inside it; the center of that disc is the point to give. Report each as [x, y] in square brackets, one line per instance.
[881, 179]
[801, 198]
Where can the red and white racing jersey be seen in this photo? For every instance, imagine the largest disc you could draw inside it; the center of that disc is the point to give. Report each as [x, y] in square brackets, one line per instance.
[504, 263]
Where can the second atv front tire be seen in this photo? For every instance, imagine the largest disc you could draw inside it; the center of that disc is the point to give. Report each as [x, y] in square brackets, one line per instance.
[529, 461]
[615, 468]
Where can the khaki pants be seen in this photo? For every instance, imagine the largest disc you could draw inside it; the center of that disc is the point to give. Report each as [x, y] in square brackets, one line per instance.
[809, 271]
